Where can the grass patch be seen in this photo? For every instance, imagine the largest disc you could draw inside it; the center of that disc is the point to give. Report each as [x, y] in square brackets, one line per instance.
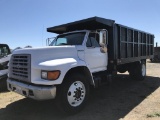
[157, 114]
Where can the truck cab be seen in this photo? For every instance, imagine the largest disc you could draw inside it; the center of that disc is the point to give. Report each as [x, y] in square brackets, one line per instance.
[88, 43]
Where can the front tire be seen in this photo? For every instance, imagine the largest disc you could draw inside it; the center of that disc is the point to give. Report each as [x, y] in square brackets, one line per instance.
[72, 95]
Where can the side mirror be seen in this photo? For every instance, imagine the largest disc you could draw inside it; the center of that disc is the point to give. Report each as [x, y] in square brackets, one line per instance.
[103, 48]
[103, 35]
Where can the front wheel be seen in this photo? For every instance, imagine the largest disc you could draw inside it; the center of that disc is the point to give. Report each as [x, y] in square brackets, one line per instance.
[72, 95]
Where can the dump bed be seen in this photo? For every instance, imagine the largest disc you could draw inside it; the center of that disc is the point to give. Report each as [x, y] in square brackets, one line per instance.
[133, 44]
[125, 44]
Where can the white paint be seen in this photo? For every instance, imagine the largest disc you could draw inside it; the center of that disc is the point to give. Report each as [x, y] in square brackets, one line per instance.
[95, 59]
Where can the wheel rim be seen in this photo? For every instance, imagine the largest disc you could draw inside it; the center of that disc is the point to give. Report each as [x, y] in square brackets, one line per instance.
[76, 93]
[143, 70]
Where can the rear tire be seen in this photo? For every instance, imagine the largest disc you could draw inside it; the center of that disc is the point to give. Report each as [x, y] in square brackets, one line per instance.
[122, 68]
[72, 95]
[138, 71]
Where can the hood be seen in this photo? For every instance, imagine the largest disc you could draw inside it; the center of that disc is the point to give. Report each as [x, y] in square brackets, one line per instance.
[49, 53]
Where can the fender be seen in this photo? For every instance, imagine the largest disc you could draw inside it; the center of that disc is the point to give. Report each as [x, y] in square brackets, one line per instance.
[64, 65]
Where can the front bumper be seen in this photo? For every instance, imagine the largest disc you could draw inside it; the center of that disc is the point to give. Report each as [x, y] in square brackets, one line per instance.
[32, 91]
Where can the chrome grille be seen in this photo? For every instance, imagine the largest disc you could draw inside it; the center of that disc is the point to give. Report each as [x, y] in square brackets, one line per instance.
[20, 67]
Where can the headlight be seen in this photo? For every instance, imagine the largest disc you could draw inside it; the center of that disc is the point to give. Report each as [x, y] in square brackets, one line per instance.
[50, 75]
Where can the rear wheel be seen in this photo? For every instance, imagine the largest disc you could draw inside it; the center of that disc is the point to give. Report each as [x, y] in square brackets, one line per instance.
[138, 71]
[72, 95]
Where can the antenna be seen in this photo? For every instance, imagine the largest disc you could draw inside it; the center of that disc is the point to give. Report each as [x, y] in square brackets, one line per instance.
[42, 33]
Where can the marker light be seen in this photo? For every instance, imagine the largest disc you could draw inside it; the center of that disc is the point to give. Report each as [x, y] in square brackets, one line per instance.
[50, 75]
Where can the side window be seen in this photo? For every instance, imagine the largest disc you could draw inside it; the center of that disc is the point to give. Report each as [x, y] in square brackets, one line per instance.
[93, 40]
[88, 43]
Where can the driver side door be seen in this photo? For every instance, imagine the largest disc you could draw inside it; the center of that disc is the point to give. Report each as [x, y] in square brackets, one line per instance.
[95, 59]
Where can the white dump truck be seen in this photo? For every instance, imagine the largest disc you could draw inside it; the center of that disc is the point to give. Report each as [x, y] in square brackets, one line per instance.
[85, 53]
[5, 55]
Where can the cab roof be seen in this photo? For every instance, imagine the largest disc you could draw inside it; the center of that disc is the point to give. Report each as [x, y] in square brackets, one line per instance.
[92, 23]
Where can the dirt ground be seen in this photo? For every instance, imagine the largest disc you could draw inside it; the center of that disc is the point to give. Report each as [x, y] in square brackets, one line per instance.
[124, 99]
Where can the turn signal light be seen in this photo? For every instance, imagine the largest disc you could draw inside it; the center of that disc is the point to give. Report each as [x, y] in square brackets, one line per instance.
[53, 75]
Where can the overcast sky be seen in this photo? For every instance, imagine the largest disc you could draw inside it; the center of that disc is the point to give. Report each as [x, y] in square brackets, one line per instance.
[24, 22]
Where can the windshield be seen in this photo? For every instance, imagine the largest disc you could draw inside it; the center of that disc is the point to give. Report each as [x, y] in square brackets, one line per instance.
[69, 39]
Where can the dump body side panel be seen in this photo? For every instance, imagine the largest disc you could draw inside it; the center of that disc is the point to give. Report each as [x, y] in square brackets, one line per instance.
[133, 45]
